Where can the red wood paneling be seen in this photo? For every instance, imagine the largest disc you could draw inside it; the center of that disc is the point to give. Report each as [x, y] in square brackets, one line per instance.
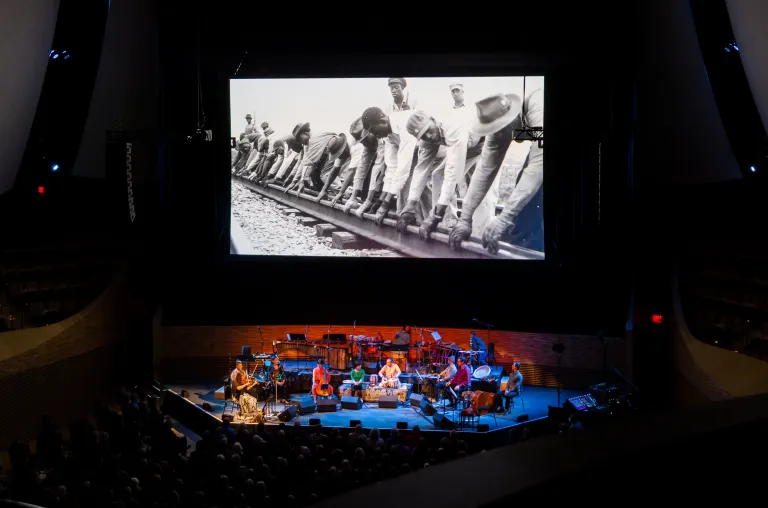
[583, 353]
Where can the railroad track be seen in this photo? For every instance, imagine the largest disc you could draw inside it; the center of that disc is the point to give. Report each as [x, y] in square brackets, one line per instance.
[407, 242]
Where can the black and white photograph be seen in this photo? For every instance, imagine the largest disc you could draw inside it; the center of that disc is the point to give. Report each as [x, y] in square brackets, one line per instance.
[388, 167]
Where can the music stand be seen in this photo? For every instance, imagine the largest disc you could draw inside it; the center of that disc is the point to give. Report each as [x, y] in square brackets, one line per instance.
[436, 336]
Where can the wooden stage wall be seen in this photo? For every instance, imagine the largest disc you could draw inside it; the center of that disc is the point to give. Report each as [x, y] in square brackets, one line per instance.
[195, 353]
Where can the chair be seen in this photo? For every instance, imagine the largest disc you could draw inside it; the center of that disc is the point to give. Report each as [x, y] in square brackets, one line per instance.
[229, 398]
[512, 402]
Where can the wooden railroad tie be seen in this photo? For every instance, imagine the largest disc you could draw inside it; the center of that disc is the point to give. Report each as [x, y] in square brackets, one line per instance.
[308, 221]
[325, 229]
[343, 240]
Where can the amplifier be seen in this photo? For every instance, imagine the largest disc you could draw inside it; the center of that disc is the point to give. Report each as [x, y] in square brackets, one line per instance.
[326, 405]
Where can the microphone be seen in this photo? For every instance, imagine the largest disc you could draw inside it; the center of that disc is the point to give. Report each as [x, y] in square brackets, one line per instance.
[329, 328]
[259, 328]
[354, 323]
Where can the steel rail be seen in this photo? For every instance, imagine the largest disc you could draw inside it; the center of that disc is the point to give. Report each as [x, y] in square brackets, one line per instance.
[407, 242]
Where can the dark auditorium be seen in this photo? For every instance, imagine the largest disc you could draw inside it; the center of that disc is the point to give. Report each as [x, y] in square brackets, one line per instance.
[269, 256]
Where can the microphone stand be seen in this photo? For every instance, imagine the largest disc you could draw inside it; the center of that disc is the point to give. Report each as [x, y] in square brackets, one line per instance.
[262, 339]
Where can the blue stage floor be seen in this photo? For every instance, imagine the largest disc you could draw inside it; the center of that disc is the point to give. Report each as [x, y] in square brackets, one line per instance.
[536, 399]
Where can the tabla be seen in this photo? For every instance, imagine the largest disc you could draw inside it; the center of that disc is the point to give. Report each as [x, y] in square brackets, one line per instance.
[392, 383]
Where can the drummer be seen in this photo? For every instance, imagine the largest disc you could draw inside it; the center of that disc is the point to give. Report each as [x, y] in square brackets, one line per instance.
[477, 344]
[358, 376]
[390, 371]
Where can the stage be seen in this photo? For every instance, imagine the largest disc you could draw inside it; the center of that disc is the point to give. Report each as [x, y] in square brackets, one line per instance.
[536, 400]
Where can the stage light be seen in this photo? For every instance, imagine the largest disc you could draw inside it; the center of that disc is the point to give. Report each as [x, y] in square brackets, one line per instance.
[55, 167]
[41, 190]
[66, 57]
[657, 319]
[752, 168]
[55, 56]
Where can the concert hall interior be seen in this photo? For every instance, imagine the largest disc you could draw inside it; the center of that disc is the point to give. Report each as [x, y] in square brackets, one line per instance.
[258, 257]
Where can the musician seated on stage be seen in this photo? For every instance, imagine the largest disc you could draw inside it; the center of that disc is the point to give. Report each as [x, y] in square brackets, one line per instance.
[512, 390]
[277, 376]
[445, 376]
[477, 344]
[460, 382]
[240, 383]
[321, 381]
[358, 376]
[390, 375]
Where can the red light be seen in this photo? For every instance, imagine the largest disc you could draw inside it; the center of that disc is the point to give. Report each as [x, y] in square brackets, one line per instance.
[657, 319]
[41, 190]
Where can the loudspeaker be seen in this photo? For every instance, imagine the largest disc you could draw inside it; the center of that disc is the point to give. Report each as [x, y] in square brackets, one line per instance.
[483, 427]
[442, 422]
[416, 399]
[326, 405]
[351, 403]
[207, 407]
[402, 425]
[305, 405]
[523, 417]
[355, 423]
[314, 421]
[288, 414]
[388, 402]
[427, 407]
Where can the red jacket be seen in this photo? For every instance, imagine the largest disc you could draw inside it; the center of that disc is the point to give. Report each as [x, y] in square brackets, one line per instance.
[461, 378]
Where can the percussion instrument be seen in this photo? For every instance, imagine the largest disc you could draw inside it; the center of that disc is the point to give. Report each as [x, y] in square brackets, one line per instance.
[347, 382]
[268, 364]
[372, 349]
[467, 395]
[392, 383]
[481, 372]
[482, 403]
[262, 376]
[504, 383]
[336, 358]
[374, 379]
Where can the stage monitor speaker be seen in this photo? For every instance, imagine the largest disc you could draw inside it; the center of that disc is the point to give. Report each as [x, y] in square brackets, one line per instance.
[288, 414]
[207, 407]
[402, 425]
[416, 399]
[388, 402]
[427, 408]
[442, 422]
[314, 421]
[351, 403]
[306, 405]
[296, 336]
[522, 417]
[326, 405]
[355, 423]
[483, 427]
[245, 351]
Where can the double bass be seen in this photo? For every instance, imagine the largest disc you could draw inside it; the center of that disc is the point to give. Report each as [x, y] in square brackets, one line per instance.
[324, 389]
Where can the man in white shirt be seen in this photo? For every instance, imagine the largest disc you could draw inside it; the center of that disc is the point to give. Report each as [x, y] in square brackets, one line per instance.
[502, 118]
[451, 132]
[390, 374]
[399, 151]
[249, 127]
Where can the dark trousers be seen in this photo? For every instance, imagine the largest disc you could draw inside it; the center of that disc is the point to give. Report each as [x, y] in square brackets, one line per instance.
[357, 390]
[507, 399]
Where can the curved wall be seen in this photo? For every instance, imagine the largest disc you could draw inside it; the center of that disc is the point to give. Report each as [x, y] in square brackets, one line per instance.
[748, 19]
[718, 374]
[62, 370]
[25, 40]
